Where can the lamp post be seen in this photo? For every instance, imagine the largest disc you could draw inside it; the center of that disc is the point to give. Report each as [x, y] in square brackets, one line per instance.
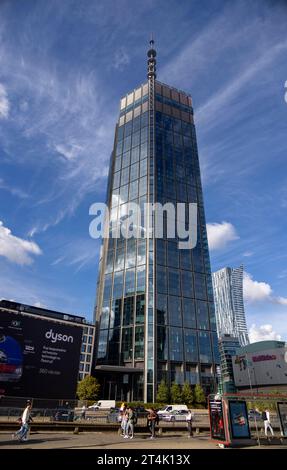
[250, 363]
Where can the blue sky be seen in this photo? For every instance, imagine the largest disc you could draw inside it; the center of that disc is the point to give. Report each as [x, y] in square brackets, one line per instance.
[63, 68]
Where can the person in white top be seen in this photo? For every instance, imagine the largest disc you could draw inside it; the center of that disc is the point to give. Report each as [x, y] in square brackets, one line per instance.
[267, 424]
[189, 419]
[26, 418]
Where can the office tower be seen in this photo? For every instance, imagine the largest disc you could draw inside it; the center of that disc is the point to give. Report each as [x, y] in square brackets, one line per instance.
[155, 308]
[228, 347]
[229, 306]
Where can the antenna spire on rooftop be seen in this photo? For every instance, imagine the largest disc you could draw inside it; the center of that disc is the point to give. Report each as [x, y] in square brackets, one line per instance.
[151, 63]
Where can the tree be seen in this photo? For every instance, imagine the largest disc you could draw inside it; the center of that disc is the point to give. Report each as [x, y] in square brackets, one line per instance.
[187, 394]
[175, 393]
[88, 388]
[162, 393]
[199, 396]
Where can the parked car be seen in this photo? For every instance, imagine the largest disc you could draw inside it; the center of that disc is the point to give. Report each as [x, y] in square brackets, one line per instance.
[62, 414]
[176, 415]
[103, 405]
[169, 408]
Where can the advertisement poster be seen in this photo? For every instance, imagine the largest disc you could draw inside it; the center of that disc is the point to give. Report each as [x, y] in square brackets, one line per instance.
[282, 412]
[239, 420]
[216, 420]
[38, 358]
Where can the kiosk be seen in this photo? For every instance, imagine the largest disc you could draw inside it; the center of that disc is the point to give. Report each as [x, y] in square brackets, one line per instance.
[228, 418]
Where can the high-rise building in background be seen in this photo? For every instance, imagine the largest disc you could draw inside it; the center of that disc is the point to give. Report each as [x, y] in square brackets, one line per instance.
[229, 305]
[155, 309]
[228, 347]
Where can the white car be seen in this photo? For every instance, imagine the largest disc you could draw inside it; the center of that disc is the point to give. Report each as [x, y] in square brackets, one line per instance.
[94, 406]
[177, 415]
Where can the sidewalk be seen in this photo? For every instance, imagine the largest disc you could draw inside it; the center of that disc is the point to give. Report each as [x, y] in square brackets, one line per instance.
[105, 440]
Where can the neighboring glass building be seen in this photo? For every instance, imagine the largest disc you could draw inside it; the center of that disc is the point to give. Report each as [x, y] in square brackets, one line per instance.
[87, 351]
[155, 309]
[229, 305]
[228, 347]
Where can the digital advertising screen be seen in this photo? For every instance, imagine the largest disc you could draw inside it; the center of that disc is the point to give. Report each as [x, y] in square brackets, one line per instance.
[216, 420]
[282, 412]
[239, 420]
[38, 358]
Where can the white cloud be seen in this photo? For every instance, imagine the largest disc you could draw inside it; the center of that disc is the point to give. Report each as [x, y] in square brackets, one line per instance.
[263, 333]
[4, 103]
[220, 234]
[248, 253]
[39, 305]
[254, 291]
[281, 300]
[16, 249]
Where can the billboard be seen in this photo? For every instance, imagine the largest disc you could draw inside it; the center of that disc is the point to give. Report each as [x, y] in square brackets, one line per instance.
[282, 413]
[239, 420]
[216, 420]
[261, 368]
[38, 358]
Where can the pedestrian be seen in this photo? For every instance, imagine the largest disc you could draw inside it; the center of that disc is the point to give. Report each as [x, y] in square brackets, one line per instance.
[83, 412]
[266, 420]
[131, 421]
[26, 419]
[189, 419]
[152, 420]
[124, 423]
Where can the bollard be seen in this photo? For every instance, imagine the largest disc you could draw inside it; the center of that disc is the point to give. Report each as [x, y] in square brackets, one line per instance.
[76, 430]
[160, 430]
[197, 431]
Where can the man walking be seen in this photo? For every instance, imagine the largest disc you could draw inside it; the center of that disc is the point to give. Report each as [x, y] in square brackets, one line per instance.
[26, 419]
[152, 420]
[267, 424]
[189, 419]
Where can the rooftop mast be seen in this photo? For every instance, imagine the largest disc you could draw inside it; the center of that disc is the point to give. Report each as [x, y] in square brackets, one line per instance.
[151, 63]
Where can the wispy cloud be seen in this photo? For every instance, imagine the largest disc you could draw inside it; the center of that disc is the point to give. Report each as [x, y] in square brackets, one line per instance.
[13, 190]
[205, 114]
[4, 102]
[80, 253]
[67, 122]
[219, 235]
[121, 59]
[16, 249]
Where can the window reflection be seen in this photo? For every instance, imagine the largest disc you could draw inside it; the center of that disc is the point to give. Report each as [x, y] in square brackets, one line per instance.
[204, 347]
[174, 311]
[190, 346]
[176, 344]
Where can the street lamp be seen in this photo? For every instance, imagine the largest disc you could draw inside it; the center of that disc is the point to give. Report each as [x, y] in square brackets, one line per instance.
[250, 363]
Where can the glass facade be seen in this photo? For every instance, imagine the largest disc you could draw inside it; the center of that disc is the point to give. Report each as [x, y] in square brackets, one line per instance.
[155, 310]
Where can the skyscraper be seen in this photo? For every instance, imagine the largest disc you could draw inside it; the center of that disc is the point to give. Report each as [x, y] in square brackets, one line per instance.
[155, 308]
[229, 305]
